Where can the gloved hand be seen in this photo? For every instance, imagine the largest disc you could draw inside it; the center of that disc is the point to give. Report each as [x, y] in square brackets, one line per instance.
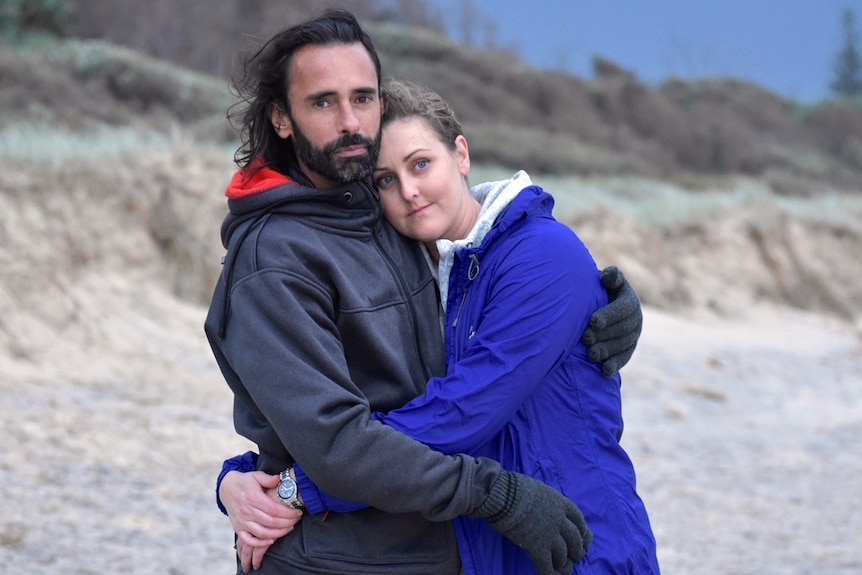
[614, 329]
[540, 520]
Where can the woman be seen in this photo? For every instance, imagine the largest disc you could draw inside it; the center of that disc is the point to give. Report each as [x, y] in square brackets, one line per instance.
[520, 387]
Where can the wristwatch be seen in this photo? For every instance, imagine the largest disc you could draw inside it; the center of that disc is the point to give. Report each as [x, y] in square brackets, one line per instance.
[288, 492]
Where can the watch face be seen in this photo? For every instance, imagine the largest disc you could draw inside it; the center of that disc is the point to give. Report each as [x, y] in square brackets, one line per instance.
[287, 489]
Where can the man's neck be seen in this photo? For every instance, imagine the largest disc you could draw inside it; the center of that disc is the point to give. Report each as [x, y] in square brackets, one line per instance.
[317, 180]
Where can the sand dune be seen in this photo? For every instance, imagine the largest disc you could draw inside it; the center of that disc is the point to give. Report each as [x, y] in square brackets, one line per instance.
[743, 403]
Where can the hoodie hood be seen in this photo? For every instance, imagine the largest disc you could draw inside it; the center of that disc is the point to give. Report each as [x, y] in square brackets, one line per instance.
[254, 180]
[256, 194]
[257, 191]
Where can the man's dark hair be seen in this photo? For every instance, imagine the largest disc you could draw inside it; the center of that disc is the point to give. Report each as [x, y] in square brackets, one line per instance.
[264, 80]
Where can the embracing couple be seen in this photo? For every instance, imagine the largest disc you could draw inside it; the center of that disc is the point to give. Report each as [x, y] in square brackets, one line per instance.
[428, 371]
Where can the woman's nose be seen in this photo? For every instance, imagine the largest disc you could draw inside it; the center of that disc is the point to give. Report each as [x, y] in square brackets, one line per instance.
[409, 190]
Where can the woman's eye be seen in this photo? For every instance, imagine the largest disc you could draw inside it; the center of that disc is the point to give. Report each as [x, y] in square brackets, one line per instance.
[385, 181]
[422, 164]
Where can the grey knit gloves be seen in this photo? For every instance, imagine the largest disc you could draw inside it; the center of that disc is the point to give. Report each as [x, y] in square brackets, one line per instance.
[614, 329]
[540, 520]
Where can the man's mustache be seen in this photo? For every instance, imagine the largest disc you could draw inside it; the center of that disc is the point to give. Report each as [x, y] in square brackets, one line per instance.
[348, 140]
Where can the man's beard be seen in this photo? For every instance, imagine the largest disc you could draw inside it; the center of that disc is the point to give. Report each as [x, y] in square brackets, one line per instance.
[324, 162]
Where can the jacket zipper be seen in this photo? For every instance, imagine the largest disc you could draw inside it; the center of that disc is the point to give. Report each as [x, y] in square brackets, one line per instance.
[460, 309]
[472, 273]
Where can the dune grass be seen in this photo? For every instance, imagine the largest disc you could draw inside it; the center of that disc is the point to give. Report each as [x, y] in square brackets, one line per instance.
[658, 202]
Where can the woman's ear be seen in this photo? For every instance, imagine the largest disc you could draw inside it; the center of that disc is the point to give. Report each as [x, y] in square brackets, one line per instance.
[280, 121]
[462, 154]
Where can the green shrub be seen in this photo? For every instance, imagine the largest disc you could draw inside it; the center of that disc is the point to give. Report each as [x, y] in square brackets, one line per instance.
[141, 83]
[538, 151]
[21, 17]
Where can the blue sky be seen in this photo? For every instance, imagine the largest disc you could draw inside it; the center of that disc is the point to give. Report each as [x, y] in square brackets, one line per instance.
[786, 46]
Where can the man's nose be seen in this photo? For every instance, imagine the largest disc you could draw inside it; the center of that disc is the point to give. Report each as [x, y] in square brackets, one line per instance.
[348, 120]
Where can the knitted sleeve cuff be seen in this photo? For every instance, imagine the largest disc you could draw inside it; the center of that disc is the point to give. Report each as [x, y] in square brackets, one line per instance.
[504, 491]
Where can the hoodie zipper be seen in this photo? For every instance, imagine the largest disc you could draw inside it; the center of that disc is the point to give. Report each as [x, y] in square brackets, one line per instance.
[402, 287]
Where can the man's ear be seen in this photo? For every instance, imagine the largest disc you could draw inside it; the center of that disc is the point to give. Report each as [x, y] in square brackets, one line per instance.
[280, 121]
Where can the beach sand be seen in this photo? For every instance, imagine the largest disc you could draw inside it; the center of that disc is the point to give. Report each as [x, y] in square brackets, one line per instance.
[745, 427]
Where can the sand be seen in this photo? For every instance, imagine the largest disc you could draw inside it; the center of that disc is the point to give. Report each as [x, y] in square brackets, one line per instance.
[744, 415]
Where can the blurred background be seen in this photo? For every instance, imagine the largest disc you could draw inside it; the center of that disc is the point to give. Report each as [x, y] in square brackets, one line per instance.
[659, 113]
[712, 150]
[788, 49]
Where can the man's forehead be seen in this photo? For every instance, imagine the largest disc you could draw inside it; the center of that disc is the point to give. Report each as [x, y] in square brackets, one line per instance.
[333, 68]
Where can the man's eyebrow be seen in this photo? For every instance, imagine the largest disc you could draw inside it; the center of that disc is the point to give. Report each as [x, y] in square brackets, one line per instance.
[329, 93]
[320, 95]
[366, 91]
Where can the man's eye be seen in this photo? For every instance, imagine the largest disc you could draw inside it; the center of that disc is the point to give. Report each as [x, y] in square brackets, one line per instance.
[364, 99]
[321, 104]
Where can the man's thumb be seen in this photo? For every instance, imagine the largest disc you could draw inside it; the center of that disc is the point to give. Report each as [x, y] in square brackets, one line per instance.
[268, 481]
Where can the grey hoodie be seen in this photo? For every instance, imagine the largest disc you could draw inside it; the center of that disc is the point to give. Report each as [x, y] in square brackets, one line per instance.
[322, 315]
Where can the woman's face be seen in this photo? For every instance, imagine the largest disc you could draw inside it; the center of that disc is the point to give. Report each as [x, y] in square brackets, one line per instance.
[423, 183]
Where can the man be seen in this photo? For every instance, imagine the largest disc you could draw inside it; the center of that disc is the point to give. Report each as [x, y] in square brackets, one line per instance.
[323, 314]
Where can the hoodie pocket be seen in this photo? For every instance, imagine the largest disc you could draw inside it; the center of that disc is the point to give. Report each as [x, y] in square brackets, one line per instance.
[371, 541]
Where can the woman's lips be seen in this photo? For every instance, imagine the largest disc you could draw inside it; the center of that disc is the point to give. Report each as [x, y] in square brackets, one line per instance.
[418, 210]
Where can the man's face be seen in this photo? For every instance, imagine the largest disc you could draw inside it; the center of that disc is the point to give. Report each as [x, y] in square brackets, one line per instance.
[335, 111]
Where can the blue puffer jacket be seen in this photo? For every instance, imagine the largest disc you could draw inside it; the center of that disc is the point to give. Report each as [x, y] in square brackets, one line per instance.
[520, 388]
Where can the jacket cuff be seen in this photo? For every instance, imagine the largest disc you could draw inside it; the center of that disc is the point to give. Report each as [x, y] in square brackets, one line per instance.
[244, 463]
[308, 491]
